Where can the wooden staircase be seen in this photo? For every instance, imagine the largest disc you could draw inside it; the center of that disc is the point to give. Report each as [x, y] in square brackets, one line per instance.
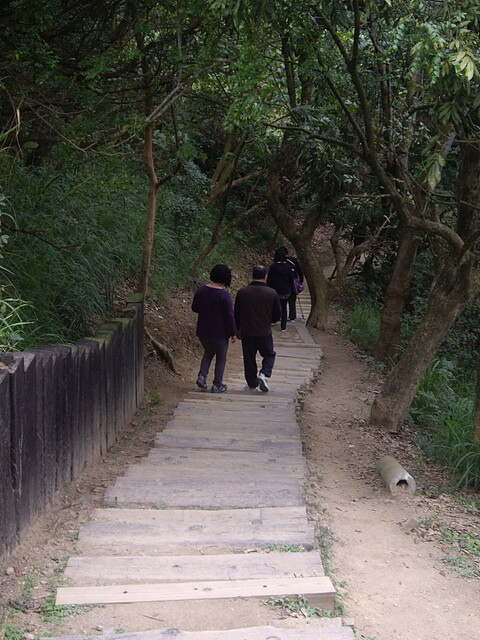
[215, 512]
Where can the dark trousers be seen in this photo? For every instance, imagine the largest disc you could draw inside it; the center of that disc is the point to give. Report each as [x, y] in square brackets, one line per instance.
[283, 320]
[217, 349]
[264, 346]
[292, 306]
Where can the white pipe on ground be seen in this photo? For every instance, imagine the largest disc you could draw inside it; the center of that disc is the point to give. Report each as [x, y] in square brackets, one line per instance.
[394, 476]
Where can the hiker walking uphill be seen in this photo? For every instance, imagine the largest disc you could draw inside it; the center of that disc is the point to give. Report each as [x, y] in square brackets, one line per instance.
[297, 285]
[256, 308]
[280, 277]
[215, 325]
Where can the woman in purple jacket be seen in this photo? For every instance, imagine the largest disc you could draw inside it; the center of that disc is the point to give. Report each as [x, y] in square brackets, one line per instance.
[215, 325]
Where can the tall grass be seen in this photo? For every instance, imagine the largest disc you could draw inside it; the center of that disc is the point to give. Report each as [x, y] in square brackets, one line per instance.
[442, 414]
[79, 227]
[363, 324]
[77, 234]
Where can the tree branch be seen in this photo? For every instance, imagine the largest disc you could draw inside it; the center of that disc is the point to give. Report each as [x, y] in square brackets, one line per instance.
[35, 235]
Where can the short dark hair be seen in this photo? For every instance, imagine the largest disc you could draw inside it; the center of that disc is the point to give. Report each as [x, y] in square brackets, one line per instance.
[280, 255]
[259, 272]
[221, 274]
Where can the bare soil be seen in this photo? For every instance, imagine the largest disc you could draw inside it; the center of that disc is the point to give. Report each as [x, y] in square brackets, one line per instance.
[386, 555]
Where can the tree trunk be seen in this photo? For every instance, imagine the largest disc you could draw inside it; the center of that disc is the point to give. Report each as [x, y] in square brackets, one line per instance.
[299, 230]
[151, 209]
[453, 288]
[448, 299]
[396, 296]
[318, 285]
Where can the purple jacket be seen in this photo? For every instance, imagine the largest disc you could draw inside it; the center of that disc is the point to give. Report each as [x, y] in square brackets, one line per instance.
[215, 313]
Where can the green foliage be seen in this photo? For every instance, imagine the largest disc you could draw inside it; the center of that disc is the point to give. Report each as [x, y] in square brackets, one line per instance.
[363, 324]
[285, 548]
[12, 326]
[53, 614]
[13, 633]
[442, 413]
[297, 606]
[464, 550]
[77, 235]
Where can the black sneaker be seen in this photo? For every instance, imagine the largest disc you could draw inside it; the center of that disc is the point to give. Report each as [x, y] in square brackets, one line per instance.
[201, 382]
[220, 388]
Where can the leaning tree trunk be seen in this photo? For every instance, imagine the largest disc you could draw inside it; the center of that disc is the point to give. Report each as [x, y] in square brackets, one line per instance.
[318, 285]
[448, 299]
[396, 296]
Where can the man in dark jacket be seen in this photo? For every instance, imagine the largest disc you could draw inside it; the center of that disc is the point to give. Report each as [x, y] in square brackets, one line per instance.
[256, 308]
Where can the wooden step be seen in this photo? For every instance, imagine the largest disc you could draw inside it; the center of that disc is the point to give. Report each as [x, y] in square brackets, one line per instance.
[253, 412]
[210, 494]
[177, 529]
[147, 469]
[216, 459]
[227, 433]
[225, 443]
[327, 632]
[91, 570]
[234, 428]
[238, 396]
[318, 590]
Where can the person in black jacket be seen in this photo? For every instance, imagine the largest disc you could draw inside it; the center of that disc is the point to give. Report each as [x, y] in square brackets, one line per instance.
[256, 307]
[280, 277]
[298, 274]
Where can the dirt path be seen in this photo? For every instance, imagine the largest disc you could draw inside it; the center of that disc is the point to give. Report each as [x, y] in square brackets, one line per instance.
[383, 552]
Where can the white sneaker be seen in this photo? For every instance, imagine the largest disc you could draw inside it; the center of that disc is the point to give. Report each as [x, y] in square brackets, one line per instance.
[262, 382]
[252, 389]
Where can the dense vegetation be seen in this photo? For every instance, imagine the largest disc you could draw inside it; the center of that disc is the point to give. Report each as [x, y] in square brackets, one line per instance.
[143, 140]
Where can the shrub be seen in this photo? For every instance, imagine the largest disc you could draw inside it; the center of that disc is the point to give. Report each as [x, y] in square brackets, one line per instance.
[442, 413]
[363, 324]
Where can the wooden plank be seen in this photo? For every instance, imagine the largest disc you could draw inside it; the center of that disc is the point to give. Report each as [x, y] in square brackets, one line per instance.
[266, 445]
[237, 426]
[172, 470]
[254, 411]
[7, 498]
[235, 396]
[193, 519]
[246, 435]
[216, 496]
[187, 568]
[214, 457]
[24, 444]
[232, 485]
[304, 334]
[318, 590]
[289, 376]
[137, 540]
[315, 632]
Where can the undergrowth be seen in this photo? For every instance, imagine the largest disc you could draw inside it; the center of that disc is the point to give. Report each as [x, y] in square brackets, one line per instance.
[75, 230]
[442, 411]
[442, 414]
